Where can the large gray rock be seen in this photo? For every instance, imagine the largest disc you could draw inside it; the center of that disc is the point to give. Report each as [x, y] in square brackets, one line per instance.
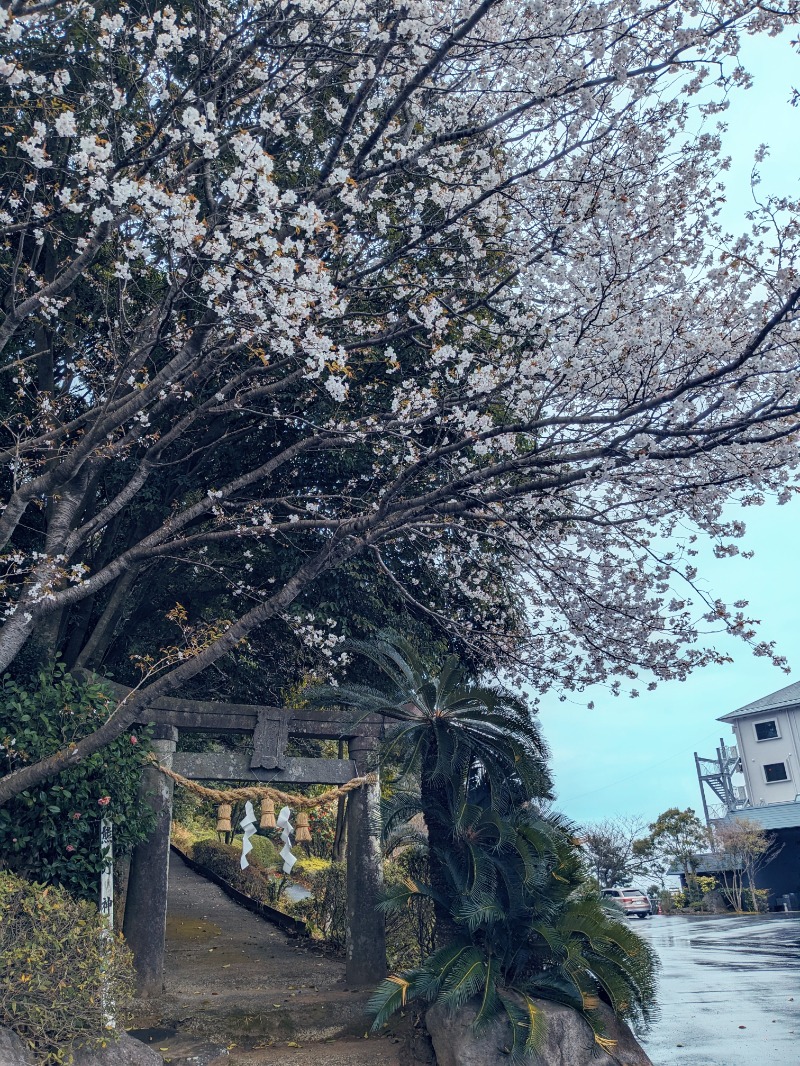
[123, 1052]
[568, 1040]
[12, 1051]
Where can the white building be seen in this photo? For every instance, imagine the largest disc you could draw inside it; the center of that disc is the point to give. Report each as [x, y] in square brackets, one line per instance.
[768, 740]
[758, 779]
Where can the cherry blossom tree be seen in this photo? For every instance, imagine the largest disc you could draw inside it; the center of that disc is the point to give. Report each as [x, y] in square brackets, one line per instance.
[438, 286]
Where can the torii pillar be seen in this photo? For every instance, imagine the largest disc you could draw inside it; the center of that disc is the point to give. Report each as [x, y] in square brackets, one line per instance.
[366, 927]
[145, 924]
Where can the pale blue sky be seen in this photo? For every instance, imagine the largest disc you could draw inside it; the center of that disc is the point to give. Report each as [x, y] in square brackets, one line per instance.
[635, 756]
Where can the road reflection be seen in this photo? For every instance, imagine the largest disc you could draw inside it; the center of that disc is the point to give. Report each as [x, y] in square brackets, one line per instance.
[729, 990]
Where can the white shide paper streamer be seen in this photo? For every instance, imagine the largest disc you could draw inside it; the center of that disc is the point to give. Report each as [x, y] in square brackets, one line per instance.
[248, 824]
[282, 822]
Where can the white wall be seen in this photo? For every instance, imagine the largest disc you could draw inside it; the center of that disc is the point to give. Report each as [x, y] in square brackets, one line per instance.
[756, 754]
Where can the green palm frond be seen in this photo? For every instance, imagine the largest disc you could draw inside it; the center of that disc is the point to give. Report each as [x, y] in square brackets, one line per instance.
[478, 911]
[398, 896]
[390, 996]
[465, 978]
[528, 1025]
[489, 1000]
[435, 970]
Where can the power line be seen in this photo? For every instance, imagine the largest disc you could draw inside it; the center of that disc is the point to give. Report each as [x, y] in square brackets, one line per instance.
[636, 773]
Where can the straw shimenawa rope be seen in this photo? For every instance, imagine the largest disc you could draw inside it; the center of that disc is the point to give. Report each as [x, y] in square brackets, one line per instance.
[255, 792]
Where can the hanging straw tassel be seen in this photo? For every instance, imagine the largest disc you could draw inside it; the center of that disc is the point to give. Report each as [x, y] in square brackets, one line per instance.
[267, 814]
[303, 833]
[224, 818]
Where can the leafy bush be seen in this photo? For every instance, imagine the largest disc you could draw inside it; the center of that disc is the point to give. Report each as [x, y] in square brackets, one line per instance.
[58, 971]
[666, 901]
[325, 911]
[264, 850]
[762, 900]
[309, 866]
[225, 861]
[51, 832]
[322, 823]
[409, 929]
[182, 838]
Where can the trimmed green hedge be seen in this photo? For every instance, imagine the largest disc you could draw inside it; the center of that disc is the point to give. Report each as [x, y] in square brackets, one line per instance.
[225, 861]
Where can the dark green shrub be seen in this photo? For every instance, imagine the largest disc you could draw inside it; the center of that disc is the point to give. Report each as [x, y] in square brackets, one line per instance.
[51, 832]
[325, 912]
[666, 901]
[322, 823]
[225, 861]
[58, 971]
[410, 928]
[264, 851]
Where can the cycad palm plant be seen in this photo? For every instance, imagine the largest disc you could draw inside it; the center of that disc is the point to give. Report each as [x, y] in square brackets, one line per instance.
[448, 728]
[523, 928]
[513, 921]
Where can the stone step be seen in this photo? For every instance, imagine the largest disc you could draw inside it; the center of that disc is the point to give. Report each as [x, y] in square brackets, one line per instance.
[182, 1049]
[404, 1042]
[265, 1015]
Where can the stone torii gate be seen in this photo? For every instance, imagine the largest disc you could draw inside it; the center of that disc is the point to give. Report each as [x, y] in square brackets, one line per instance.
[271, 728]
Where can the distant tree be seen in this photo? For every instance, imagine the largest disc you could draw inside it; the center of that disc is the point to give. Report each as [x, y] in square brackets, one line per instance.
[609, 848]
[650, 861]
[678, 837]
[746, 849]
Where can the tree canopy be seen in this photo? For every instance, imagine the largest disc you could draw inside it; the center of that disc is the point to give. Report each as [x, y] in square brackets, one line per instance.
[677, 838]
[432, 291]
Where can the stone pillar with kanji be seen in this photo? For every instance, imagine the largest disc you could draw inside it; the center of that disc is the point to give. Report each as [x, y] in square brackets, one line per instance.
[366, 931]
[145, 922]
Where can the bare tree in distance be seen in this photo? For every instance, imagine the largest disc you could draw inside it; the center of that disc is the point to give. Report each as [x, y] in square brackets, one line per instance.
[745, 848]
[609, 848]
[440, 283]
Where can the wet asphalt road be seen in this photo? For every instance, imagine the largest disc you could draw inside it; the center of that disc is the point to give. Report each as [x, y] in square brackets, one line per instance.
[729, 990]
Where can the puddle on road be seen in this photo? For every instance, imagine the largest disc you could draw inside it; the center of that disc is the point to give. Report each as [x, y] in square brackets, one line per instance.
[151, 1036]
[191, 929]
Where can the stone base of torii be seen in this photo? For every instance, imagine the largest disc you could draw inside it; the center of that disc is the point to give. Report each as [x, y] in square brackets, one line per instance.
[146, 903]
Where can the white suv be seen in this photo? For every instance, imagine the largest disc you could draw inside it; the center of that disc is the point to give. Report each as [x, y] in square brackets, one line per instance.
[632, 900]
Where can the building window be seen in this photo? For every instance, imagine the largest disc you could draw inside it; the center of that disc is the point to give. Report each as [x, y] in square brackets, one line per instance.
[767, 730]
[775, 771]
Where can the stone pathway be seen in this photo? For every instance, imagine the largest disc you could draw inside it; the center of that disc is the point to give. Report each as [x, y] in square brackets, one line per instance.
[238, 990]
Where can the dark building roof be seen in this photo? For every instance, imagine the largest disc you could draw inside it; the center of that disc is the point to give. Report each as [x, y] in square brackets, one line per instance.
[776, 701]
[770, 816]
[707, 863]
